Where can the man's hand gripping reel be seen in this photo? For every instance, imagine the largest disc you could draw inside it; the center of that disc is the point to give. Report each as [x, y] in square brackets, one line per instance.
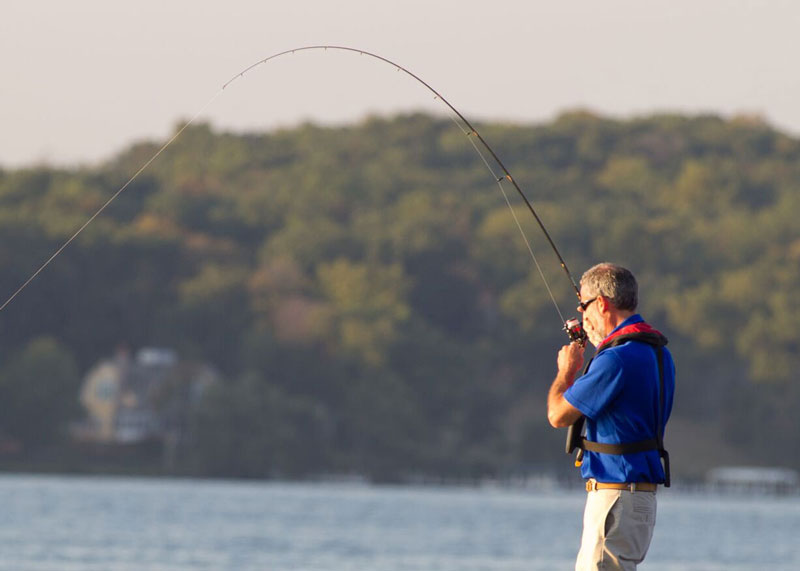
[576, 334]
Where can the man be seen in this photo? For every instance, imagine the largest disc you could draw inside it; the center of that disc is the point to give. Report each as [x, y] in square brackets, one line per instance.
[625, 395]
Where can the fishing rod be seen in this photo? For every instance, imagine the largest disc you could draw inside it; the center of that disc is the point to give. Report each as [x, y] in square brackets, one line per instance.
[572, 326]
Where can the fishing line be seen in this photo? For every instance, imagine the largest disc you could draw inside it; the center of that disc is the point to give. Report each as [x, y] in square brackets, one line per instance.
[499, 180]
[108, 202]
[471, 132]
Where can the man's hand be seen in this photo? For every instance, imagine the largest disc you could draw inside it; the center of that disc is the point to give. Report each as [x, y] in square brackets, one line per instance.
[570, 360]
[560, 413]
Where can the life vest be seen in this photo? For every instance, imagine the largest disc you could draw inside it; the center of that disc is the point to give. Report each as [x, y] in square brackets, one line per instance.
[644, 333]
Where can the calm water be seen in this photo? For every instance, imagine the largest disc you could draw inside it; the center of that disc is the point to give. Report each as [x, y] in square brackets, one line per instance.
[115, 524]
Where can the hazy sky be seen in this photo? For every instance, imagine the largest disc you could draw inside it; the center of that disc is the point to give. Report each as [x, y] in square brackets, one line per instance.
[81, 80]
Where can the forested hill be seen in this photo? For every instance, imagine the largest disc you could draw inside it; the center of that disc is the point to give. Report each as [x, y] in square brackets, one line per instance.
[372, 307]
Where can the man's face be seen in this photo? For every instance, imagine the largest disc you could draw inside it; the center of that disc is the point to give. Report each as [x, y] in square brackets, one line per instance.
[591, 318]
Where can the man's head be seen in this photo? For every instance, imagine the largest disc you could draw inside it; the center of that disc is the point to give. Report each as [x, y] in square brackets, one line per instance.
[613, 282]
[609, 294]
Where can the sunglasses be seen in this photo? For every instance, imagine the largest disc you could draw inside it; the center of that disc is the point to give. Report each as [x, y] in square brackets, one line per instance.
[584, 304]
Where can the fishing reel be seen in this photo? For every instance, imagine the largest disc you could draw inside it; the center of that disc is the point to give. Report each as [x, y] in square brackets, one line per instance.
[575, 331]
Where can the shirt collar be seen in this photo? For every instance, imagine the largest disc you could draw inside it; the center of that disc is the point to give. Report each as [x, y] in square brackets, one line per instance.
[635, 318]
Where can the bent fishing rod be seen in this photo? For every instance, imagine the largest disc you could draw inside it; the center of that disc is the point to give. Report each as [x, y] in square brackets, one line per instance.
[572, 326]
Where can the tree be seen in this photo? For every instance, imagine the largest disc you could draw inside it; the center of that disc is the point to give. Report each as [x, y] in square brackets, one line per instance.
[39, 390]
[366, 304]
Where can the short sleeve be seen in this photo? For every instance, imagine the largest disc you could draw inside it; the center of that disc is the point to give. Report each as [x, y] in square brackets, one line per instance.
[592, 392]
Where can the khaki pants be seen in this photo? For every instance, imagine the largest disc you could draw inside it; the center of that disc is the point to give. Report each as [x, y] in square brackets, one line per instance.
[617, 528]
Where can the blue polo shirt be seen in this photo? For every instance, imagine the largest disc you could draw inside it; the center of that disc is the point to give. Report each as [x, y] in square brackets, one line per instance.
[619, 397]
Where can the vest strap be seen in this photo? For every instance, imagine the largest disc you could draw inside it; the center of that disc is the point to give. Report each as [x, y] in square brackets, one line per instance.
[618, 449]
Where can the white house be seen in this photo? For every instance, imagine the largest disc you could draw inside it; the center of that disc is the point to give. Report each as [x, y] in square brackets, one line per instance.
[145, 397]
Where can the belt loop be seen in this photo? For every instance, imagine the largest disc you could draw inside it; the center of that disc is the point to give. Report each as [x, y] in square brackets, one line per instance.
[591, 485]
[633, 487]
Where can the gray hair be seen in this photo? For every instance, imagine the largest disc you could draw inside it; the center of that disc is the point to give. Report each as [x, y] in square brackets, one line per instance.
[614, 282]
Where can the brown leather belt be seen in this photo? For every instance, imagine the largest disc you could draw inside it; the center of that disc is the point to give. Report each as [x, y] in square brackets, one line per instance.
[593, 485]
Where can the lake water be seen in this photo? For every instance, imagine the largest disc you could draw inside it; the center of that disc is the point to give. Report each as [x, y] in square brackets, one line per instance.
[126, 524]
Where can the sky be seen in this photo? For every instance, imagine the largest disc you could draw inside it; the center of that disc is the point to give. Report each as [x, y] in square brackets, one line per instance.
[82, 80]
